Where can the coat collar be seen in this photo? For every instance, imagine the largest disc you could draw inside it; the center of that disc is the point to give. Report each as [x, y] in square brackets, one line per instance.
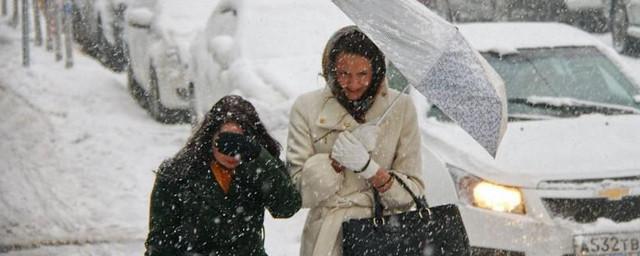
[334, 116]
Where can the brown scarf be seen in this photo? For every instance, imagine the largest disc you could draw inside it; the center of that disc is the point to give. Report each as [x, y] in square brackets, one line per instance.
[356, 108]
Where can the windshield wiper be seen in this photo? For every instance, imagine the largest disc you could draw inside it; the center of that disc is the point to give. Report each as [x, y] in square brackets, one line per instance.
[529, 117]
[575, 106]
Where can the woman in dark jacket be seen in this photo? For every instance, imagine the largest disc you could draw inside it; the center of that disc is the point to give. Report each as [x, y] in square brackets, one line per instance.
[209, 199]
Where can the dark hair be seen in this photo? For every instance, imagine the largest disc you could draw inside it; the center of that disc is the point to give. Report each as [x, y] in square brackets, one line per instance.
[356, 42]
[232, 108]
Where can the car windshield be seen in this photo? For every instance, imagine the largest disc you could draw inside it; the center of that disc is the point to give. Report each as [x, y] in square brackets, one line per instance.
[547, 83]
[561, 82]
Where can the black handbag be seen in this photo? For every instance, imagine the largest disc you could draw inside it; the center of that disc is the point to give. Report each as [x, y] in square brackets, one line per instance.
[436, 231]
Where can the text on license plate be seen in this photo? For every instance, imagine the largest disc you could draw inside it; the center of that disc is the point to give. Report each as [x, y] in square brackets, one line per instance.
[623, 244]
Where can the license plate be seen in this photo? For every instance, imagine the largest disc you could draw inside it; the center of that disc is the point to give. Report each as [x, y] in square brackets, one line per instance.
[607, 244]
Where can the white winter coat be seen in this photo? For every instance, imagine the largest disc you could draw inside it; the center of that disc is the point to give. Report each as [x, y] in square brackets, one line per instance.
[316, 120]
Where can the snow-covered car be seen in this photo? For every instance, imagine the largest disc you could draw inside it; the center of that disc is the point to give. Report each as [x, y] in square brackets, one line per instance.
[566, 179]
[625, 25]
[268, 51]
[158, 34]
[587, 14]
[98, 28]
[592, 15]
[464, 10]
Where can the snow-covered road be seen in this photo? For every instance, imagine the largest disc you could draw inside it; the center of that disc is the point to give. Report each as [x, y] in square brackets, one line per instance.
[76, 160]
[77, 156]
[77, 152]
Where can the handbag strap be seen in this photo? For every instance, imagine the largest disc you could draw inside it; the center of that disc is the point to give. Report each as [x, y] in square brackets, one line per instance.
[421, 203]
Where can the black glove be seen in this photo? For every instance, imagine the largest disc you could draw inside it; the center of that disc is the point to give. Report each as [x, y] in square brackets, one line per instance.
[232, 144]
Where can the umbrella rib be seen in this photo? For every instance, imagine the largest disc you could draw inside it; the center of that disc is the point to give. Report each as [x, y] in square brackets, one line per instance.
[386, 112]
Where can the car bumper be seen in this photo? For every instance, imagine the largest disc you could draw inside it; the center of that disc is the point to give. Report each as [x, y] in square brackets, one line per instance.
[515, 233]
[493, 233]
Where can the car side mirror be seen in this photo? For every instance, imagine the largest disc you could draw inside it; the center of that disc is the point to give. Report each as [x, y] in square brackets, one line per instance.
[140, 18]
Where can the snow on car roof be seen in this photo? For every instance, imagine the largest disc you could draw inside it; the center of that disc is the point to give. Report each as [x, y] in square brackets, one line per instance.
[285, 38]
[184, 18]
[508, 37]
[285, 28]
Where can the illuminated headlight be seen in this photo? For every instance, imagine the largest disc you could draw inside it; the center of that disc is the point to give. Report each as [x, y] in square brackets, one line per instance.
[480, 193]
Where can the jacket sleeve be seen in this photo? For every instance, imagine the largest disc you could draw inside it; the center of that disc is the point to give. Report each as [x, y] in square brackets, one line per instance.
[164, 221]
[407, 163]
[279, 195]
[311, 172]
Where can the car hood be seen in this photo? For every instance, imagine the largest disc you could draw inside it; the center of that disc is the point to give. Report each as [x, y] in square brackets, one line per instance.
[586, 147]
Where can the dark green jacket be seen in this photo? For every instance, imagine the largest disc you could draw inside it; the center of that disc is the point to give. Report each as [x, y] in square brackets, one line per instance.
[191, 215]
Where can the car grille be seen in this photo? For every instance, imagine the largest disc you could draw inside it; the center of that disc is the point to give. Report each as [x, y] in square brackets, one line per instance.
[587, 210]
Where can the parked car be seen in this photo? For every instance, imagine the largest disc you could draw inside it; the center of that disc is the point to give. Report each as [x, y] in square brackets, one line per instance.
[98, 28]
[625, 26]
[591, 15]
[566, 179]
[464, 11]
[158, 35]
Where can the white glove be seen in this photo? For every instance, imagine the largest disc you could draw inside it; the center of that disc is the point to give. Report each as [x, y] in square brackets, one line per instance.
[367, 134]
[352, 154]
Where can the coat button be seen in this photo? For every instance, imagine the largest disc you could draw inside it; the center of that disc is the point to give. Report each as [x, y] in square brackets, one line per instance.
[347, 124]
[322, 120]
[384, 94]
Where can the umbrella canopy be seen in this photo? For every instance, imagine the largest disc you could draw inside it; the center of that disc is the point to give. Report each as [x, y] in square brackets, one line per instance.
[438, 62]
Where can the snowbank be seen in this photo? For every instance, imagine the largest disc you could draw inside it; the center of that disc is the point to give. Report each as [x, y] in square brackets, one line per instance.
[76, 154]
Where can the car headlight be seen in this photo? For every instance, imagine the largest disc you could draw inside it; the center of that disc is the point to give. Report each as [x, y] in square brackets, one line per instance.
[480, 193]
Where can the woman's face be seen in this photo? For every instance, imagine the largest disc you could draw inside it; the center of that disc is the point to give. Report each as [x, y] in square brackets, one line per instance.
[353, 73]
[230, 162]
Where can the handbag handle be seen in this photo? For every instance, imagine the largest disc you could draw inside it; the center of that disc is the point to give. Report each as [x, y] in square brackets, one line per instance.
[421, 203]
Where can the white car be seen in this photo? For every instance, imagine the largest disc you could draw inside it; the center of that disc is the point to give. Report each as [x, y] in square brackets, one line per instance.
[98, 28]
[586, 5]
[590, 15]
[566, 179]
[625, 26]
[158, 34]
[587, 14]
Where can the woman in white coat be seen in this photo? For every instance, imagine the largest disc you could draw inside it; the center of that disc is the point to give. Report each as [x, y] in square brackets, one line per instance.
[336, 157]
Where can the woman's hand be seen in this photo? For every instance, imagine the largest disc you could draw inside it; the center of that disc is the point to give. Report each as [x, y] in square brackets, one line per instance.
[349, 152]
[336, 166]
[382, 181]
